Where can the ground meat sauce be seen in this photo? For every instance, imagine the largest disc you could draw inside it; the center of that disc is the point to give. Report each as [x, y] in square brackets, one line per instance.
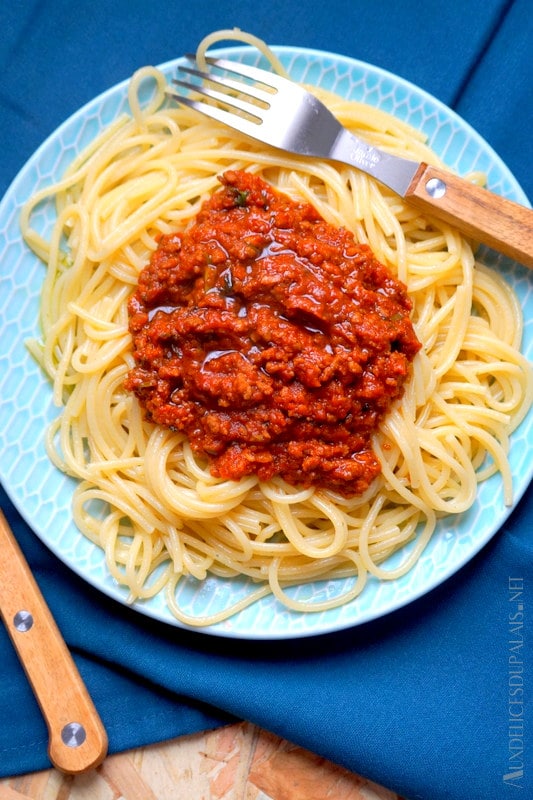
[273, 340]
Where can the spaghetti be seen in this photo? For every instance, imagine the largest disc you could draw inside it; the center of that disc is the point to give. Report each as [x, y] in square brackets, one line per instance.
[143, 495]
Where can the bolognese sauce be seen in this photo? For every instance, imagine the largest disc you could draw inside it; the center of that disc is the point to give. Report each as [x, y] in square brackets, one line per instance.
[272, 339]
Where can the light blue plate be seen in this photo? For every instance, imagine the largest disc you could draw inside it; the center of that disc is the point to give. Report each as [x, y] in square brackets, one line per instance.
[43, 495]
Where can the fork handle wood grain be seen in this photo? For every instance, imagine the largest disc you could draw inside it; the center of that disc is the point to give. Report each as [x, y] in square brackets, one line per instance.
[480, 214]
[49, 666]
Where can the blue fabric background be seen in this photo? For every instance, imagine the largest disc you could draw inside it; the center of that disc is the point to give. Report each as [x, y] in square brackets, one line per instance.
[420, 700]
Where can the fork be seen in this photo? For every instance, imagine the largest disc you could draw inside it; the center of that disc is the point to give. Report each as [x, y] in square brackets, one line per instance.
[281, 113]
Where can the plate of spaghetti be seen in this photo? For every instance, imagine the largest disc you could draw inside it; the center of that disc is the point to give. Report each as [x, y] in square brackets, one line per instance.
[253, 436]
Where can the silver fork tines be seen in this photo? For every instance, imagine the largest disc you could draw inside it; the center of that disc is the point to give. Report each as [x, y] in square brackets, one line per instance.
[277, 112]
[224, 98]
[259, 96]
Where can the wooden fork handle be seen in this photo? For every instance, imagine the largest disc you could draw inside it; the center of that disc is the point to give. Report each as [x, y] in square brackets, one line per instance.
[77, 738]
[482, 215]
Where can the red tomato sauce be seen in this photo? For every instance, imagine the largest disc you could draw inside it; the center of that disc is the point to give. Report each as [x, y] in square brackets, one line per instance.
[272, 339]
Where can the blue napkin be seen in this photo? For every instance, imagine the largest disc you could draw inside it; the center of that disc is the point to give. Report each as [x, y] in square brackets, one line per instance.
[434, 700]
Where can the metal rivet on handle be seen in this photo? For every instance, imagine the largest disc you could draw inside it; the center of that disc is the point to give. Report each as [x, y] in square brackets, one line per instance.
[73, 734]
[436, 188]
[23, 621]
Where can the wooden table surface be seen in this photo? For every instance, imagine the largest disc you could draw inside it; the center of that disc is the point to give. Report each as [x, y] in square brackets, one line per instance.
[237, 762]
